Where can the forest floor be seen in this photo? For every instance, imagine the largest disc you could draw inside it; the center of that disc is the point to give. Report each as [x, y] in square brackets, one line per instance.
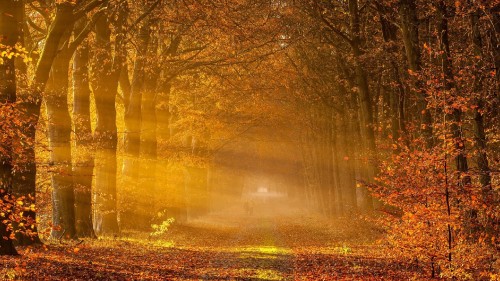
[291, 246]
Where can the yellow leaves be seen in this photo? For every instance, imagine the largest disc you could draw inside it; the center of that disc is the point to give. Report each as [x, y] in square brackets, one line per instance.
[8, 52]
[27, 59]
[19, 202]
[76, 250]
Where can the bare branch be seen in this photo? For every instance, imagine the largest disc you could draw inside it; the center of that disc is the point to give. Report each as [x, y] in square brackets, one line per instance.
[36, 27]
[144, 15]
[89, 7]
[83, 34]
[335, 30]
[42, 12]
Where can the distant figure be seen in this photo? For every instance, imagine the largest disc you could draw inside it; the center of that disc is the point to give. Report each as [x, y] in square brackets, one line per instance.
[248, 206]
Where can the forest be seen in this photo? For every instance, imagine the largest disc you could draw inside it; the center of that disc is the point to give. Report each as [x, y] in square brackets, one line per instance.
[249, 140]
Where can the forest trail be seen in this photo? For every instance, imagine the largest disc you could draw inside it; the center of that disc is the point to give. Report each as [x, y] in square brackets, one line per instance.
[219, 247]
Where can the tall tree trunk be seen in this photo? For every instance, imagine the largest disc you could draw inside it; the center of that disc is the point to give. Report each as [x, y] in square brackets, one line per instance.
[9, 31]
[397, 95]
[337, 162]
[455, 116]
[24, 182]
[365, 102]
[59, 135]
[348, 184]
[163, 110]
[84, 151]
[449, 84]
[494, 35]
[133, 215]
[25, 229]
[105, 77]
[409, 25]
[335, 196]
[479, 128]
[149, 142]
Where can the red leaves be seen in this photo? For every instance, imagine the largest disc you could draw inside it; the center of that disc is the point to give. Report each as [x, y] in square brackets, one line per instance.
[417, 183]
[292, 248]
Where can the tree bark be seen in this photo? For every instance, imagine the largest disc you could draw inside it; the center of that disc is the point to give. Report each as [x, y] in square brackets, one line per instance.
[149, 141]
[59, 135]
[397, 95]
[365, 103]
[479, 127]
[24, 182]
[449, 85]
[9, 32]
[133, 213]
[84, 151]
[105, 77]
[409, 26]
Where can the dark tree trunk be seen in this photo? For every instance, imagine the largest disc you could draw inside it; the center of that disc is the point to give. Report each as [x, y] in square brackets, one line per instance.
[365, 103]
[396, 95]
[24, 182]
[494, 35]
[9, 32]
[409, 25]
[449, 84]
[105, 77]
[479, 128]
[84, 151]
[59, 135]
[133, 215]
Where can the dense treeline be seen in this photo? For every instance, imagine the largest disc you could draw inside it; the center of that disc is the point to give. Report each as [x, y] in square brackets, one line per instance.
[391, 107]
[402, 103]
[118, 82]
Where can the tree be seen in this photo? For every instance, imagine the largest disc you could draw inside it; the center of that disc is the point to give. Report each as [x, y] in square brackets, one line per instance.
[84, 150]
[106, 67]
[9, 36]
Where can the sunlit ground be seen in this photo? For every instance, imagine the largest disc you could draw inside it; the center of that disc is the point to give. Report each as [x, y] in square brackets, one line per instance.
[282, 245]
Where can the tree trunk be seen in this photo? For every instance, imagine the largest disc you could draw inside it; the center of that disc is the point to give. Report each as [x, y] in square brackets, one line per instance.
[149, 142]
[105, 76]
[409, 26]
[449, 84]
[348, 184]
[479, 130]
[84, 151]
[59, 135]
[9, 30]
[494, 35]
[365, 103]
[133, 213]
[397, 95]
[24, 182]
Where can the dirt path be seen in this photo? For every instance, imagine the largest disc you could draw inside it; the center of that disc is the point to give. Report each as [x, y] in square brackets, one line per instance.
[219, 248]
